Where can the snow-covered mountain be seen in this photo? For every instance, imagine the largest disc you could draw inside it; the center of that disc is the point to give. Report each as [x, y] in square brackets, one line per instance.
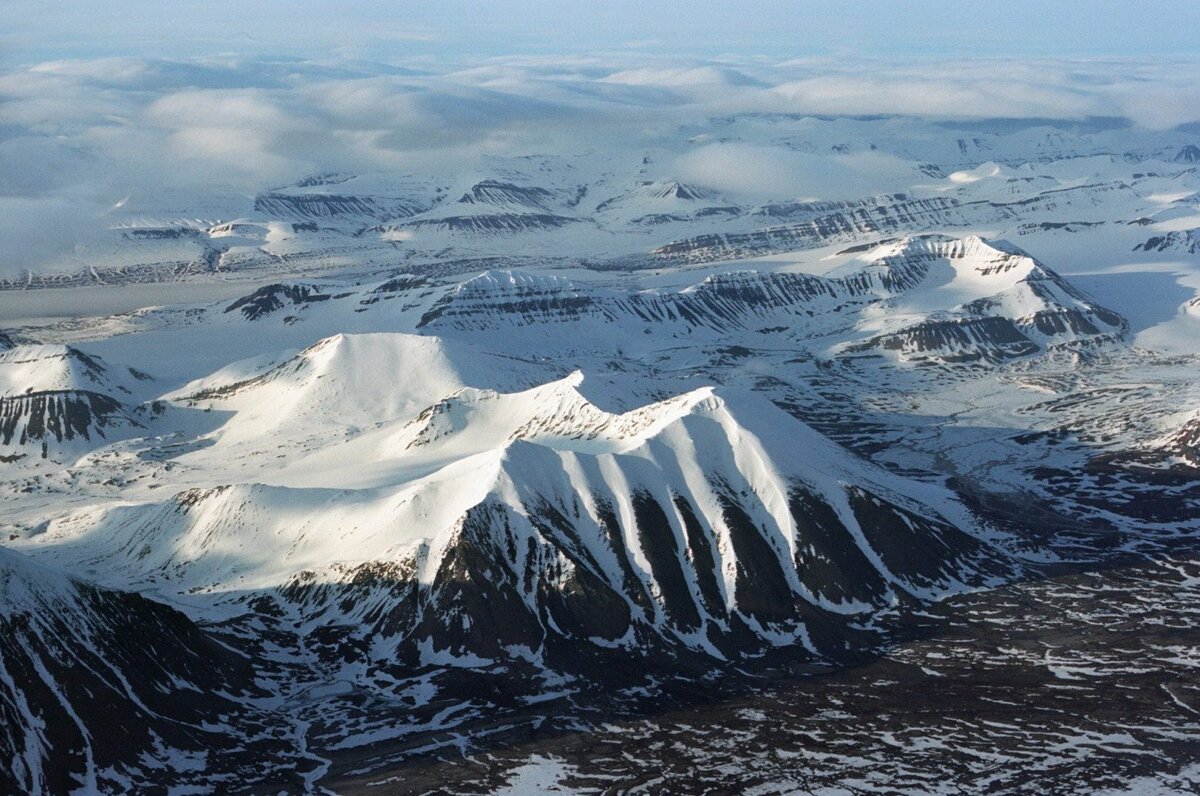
[50, 368]
[56, 401]
[686, 519]
[975, 299]
[491, 207]
[623, 206]
[438, 455]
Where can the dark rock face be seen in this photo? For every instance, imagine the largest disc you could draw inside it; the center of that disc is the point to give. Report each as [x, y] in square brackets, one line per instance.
[1063, 321]
[832, 222]
[655, 219]
[661, 545]
[1187, 154]
[761, 588]
[1185, 443]
[955, 340]
[731, 300]
[805, 211]
[107, 691]
[928, 550]
[401, 284]
[679, 190]
[41, 418]
[483, 302]
[270, 298]
[475, 605]
[312, 206]
[162, 233]
[495, 223]
[494, 192]
[829, 568]
[1185, 241]
[720, 210]
[492, 207]
[332, 178]
[512, 588]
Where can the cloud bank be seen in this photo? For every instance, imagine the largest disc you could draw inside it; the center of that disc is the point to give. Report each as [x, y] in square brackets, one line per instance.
[78, 136]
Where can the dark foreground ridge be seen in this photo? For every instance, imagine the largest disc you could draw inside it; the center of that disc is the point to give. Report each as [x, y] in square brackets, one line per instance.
[1069, 685]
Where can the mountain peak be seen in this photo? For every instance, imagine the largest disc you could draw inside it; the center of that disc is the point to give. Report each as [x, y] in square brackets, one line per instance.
[1187, 154]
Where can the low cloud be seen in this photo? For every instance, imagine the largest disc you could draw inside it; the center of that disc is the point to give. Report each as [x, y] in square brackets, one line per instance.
[77, 136]
[931, 96]
[42, 231]
[756, 172]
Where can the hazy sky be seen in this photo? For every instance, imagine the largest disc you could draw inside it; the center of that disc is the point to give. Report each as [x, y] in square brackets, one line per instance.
[34, 30]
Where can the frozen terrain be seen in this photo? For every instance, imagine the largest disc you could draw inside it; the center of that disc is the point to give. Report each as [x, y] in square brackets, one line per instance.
[571, 470]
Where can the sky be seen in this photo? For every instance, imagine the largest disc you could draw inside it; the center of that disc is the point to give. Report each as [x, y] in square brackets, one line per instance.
[34, 30]
[103, 101]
